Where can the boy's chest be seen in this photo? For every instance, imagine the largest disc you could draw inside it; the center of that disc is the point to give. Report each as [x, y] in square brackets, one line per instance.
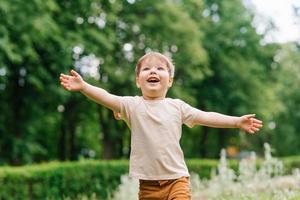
[165, 114]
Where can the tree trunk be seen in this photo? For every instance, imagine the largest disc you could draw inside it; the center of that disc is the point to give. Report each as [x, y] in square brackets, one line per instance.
[62, 143]
[16, 121]
[107, 139]
[221, 137]
[203, 142]
[72, 141]
[67, 148]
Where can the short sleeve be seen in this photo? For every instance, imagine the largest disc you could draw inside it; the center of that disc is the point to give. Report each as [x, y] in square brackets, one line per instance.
[188, 114]
[126, 106]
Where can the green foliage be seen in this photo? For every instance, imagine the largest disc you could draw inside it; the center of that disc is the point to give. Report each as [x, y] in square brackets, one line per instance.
[286, 120]
[58, 180]
[240, 79]
[221, 65]
[202, 167]
[86, 178]
[37, 50]
[71, 179]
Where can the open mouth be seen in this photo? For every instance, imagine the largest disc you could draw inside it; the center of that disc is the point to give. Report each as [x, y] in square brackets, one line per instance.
[152, 80]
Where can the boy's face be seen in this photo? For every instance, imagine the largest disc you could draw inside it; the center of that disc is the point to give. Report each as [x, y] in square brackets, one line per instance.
[154, 78]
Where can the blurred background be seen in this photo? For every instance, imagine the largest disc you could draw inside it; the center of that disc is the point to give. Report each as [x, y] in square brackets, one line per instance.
[233, 57]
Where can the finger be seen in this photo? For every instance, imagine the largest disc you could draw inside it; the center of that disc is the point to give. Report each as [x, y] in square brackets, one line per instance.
[257, 121]
[66, 86]
[63, 79]
[257, 125]
[65, 76]
[74, 73]
[63, 84]
[249, 116]
[254, 129]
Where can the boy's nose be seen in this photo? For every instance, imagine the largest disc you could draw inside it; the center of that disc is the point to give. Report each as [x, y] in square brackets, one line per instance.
[152, 71]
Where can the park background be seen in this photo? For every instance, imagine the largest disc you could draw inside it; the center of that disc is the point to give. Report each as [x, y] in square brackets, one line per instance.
[223, 64]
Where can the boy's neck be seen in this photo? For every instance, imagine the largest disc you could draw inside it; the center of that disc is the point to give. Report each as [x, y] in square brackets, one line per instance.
[153, 98]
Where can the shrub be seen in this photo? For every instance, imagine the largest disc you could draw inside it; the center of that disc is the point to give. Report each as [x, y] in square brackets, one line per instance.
[57, 180]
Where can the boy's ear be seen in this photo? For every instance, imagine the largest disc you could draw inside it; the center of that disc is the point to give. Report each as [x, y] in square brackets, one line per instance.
[170, 81]
[137, 82]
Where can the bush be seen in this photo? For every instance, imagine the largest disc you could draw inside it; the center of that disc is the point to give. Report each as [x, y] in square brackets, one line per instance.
[57, 180]
[291, 163]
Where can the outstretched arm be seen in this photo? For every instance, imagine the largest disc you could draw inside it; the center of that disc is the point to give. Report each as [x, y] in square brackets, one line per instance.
[247, 123]
[74, 82]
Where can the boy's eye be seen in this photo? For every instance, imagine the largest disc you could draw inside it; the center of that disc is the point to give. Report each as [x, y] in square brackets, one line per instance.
[161, 68]
[146, 68]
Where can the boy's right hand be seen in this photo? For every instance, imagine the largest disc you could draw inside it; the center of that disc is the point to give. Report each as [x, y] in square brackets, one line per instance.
[73, 82]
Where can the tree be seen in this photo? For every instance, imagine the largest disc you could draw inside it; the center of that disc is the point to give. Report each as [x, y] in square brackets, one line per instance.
[38, 49]
[35, 50]
[284, 125]
[239, 69]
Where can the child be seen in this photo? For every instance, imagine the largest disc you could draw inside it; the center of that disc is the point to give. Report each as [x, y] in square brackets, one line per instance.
[156, 158]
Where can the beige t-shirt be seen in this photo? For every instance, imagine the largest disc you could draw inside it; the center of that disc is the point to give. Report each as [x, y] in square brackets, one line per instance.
[155, 133]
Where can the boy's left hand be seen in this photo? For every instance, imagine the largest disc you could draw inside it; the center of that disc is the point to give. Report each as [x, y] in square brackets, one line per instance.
[249, 123]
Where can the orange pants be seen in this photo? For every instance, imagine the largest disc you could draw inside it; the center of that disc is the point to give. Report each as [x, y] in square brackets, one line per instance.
[177, 189]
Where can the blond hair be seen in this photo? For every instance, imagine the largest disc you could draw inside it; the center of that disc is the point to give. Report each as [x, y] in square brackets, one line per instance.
[158, 55]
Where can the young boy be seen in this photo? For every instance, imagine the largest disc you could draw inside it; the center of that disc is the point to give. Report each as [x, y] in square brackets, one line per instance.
[156, 158]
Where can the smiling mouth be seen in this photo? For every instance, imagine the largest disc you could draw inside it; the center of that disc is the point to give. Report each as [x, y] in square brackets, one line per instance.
[153, 80]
